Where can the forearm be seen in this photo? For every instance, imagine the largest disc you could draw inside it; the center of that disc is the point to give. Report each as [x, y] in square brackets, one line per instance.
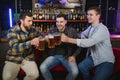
[72, 40]
[18, 47]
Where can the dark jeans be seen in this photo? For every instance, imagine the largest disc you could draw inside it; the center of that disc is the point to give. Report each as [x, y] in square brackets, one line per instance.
[102, 72]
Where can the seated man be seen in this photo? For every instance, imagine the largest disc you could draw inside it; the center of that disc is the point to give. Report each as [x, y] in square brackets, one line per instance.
[97, 40]
[22, 40]
[61, 54]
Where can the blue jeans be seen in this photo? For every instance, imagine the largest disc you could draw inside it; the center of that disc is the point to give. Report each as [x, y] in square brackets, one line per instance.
[102, 72]
[53, 61]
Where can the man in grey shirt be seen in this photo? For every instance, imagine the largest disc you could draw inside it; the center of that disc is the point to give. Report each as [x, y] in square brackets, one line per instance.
[97, 39]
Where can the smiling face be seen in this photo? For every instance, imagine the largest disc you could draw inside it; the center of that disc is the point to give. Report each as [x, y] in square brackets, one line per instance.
[60, 23]
[92, 16]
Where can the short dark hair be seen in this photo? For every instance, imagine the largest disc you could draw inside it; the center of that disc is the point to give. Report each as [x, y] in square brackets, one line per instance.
[24, 14]
[61, 15]
[97, 9]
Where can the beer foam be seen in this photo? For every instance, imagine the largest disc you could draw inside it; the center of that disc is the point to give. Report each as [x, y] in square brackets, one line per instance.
[42, 39]
[50, 36]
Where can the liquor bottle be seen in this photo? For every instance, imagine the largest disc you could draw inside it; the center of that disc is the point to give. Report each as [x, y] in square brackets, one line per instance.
[41, 28]
[34, 15]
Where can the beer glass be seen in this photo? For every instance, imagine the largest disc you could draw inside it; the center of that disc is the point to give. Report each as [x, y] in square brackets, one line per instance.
[41, 46]
[57, 38]
[51, 43]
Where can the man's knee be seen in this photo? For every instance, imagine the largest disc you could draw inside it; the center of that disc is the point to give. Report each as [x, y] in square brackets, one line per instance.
[7, 77]
[43, 67]
[33, 75]
[75, 72]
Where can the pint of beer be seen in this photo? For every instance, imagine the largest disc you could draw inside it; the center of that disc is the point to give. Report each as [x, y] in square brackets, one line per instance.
[57, 38]
[51, 41]
[41, 46]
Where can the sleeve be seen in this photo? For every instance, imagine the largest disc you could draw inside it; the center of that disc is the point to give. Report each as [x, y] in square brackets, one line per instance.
[14, 43]
[72, 47]
[98, 36]
[77, 52]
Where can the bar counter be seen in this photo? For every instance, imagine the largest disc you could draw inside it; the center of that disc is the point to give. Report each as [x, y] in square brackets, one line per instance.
[115, 37]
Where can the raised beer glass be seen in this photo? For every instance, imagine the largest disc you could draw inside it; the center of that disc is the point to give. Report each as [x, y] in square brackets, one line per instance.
[41, 46]
[51, 41]
[57, 38]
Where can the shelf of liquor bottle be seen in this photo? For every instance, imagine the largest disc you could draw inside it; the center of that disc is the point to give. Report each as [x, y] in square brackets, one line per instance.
[55, 20]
